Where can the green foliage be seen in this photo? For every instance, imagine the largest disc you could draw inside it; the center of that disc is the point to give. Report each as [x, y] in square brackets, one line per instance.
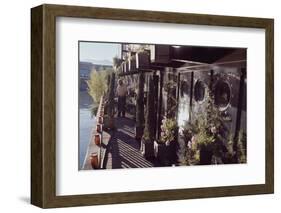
[150, 124]
[191, 149]
[97, 84]
[138, 47]
[208, 132]
[169, 130]
[94, 109]
[170, 86]
[241, 147]
[146, 135]
[117, 62]
[213, 117]
[203, 132]
[204, 138]
[209, 123]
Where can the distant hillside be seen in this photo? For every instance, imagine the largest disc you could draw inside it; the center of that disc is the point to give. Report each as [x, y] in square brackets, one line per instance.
[86, 67]
[100, 62]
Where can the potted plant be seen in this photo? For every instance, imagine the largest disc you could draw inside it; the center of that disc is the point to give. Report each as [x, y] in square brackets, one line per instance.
[165, 147]
[143, 59]
[204, 142]
[99, 128]
[147, 148]
[211, 132]
[241, 147]
[109, 117]
[97, 139]
[132, 62]
[94, 160]
[160, 151]
[150, 124]
[125, 65]
[190, 151]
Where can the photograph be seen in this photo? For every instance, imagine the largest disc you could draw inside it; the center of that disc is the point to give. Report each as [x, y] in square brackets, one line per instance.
[161, 105]
[153, 105]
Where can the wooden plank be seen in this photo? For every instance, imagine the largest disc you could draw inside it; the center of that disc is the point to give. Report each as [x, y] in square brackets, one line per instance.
[37, 190]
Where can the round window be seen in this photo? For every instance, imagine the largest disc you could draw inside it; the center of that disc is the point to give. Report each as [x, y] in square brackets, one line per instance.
[199, 91]
[222, 94]
[183, 88]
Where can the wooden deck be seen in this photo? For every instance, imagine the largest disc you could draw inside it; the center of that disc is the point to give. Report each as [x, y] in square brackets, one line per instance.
[123, 150]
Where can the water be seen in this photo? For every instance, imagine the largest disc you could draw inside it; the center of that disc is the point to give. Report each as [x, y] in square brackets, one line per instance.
[86, 124]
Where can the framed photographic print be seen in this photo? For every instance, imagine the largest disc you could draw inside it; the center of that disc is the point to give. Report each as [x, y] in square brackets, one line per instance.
[137, 106]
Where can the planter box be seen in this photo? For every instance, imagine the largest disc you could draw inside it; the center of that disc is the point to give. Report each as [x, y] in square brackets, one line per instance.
[160, 54]
[206, 155]
[125, 67]
[142, 60]
[139, 132]
[147, 149]
[161, 153]
[132, 64]
[166, 153]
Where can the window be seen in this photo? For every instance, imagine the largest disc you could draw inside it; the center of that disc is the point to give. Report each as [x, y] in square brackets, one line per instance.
[199, 91]
[222, 94]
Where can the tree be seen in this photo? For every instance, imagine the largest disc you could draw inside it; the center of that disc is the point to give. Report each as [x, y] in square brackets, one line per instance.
[117, 62]
[97, 84]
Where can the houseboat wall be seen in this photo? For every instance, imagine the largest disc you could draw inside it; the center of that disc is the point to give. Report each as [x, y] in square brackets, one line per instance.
[228, 85]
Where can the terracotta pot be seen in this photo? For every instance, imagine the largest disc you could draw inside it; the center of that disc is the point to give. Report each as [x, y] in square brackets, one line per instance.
[100, 119]
[97, 139]
[99, 128]
[94, 160]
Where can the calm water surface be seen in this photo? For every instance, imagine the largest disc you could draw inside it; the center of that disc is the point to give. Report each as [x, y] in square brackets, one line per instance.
[86, 123]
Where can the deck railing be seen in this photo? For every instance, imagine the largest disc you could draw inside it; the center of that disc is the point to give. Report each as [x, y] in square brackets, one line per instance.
[96, 149]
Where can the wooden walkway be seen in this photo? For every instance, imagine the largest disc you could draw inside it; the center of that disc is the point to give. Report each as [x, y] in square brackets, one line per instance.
[123, 149]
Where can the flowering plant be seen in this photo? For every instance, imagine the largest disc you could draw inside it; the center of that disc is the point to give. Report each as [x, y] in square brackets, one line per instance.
[168, 130]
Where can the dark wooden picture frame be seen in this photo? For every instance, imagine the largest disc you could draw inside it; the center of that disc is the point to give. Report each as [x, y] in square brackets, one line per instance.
[43, 105]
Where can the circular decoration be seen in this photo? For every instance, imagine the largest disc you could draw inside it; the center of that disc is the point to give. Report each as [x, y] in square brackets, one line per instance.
[222, 94]
[199, 91]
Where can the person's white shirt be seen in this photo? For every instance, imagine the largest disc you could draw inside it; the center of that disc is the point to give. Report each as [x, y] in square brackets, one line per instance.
[122, 90]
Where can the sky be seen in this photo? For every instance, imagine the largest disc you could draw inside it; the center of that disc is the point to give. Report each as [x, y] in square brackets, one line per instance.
[99, 53]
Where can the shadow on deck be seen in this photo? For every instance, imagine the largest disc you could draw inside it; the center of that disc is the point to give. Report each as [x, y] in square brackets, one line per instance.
[123, 150]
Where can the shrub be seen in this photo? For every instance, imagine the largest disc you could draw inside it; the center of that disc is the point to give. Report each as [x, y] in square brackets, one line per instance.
[168, 130]
[97, 84]
[241, 147]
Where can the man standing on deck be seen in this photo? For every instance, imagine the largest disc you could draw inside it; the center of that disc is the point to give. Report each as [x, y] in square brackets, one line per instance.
[121, 93]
